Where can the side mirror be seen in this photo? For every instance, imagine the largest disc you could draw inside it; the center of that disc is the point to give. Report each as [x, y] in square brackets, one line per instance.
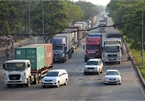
[28, 65]
[3, 66]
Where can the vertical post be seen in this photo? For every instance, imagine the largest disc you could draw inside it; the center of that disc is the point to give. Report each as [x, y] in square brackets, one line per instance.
[142, 39]
[29, 22]
[42, 20]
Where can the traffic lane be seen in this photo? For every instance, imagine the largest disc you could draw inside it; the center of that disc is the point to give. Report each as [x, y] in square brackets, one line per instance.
[78, 85]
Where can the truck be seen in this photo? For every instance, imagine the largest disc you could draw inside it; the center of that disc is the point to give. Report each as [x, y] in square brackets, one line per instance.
[112, 50]
[30, 65]
[74, 33]
[117, 35]
[93, 47]
[102, 25]
[79, 33]
[62, 47]
[84, 27]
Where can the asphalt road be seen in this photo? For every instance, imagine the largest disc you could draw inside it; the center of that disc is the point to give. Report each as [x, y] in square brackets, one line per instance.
[80, 87]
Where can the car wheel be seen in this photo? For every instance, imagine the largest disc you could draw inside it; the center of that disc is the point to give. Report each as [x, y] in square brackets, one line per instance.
[9, 85]
[119, 83]
[65, 82]
[85, 73]
[43, 86]
[98, 72]
[104, 83]
[58, 84]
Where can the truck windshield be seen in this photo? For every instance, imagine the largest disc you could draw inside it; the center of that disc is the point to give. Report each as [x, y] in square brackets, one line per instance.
[15, 66]
[92, 47]
[57, 47]
[112, 49]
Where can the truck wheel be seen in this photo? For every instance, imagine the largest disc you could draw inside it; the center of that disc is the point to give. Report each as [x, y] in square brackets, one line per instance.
[28, 82]
[66, 57]
[9, 85]
[36, 79]
[118, 62]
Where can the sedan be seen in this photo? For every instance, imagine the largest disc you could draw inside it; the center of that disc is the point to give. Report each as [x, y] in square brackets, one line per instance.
[55, 78]
[112, 77]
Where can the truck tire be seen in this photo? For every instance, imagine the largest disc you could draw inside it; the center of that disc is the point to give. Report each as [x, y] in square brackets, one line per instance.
[9, 85]
[118, 62]
[36, 81]
[66, 58]
[28, 82]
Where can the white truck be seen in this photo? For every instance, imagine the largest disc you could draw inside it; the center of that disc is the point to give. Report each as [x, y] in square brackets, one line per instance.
[112, 51]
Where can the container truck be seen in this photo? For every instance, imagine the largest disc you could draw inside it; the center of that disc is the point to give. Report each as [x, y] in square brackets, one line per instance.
[62, 47]
[79, 33]
[119, 36]
[102, 25]
[31, 63]
[93, 47]
[112, 50]
[74, 37]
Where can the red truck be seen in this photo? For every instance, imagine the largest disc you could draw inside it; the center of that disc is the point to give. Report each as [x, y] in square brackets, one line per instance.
[93, 48]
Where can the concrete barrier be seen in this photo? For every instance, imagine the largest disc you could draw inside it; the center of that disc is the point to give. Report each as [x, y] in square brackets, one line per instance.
[135, 67]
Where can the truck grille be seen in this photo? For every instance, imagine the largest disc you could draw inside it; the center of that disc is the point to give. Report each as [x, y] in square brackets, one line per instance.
[14, 77]
[112, 55]
[56, 55]
[91, 54]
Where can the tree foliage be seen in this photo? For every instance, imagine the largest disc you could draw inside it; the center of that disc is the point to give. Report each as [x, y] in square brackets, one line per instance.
[122, 11]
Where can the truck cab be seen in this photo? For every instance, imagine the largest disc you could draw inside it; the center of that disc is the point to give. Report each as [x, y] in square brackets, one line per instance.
[92, 48]
[17, 72]
[112, 52]
[59, 49]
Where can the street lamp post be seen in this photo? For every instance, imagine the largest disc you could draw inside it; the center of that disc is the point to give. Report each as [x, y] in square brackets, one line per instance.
[142, 39]
[42, 20]
[29, 22]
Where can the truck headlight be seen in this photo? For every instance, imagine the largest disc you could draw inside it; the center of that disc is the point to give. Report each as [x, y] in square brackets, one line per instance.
[62, 54]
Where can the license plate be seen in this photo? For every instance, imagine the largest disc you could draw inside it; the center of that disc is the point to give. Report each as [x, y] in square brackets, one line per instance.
[90, 70]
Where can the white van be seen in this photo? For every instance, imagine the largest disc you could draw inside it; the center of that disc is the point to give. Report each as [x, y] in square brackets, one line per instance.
[55, 77]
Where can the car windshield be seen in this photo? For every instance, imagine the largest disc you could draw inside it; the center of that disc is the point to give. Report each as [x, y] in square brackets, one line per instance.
[52, 74]
[112, 73]
[92, 63]
[92, 47]
[15, 66]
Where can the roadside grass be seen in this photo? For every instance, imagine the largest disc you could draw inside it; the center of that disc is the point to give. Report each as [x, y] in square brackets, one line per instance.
[138, 61]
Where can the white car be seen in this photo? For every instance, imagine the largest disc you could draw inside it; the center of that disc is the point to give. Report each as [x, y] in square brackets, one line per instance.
[55, 77]
[112, 76]
[93, 66]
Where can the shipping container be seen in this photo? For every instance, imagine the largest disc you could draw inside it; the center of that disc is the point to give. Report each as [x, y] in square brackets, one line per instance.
[79, 31]
[48, 54]
[36, 55]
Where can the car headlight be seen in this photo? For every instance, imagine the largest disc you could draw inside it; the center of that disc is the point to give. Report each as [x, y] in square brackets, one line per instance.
[5, 77]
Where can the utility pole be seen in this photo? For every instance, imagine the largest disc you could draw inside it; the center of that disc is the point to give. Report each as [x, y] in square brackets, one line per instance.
[42, 20]
[142, 38]
[29, 22]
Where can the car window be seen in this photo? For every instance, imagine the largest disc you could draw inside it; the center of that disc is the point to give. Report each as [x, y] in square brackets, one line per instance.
[52, 74]
[92, 63]
[112, 73]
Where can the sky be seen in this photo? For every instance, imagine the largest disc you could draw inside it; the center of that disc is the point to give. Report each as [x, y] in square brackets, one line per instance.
[97, 2]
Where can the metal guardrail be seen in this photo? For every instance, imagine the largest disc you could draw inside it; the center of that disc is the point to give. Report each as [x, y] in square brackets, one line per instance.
[134, 66]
